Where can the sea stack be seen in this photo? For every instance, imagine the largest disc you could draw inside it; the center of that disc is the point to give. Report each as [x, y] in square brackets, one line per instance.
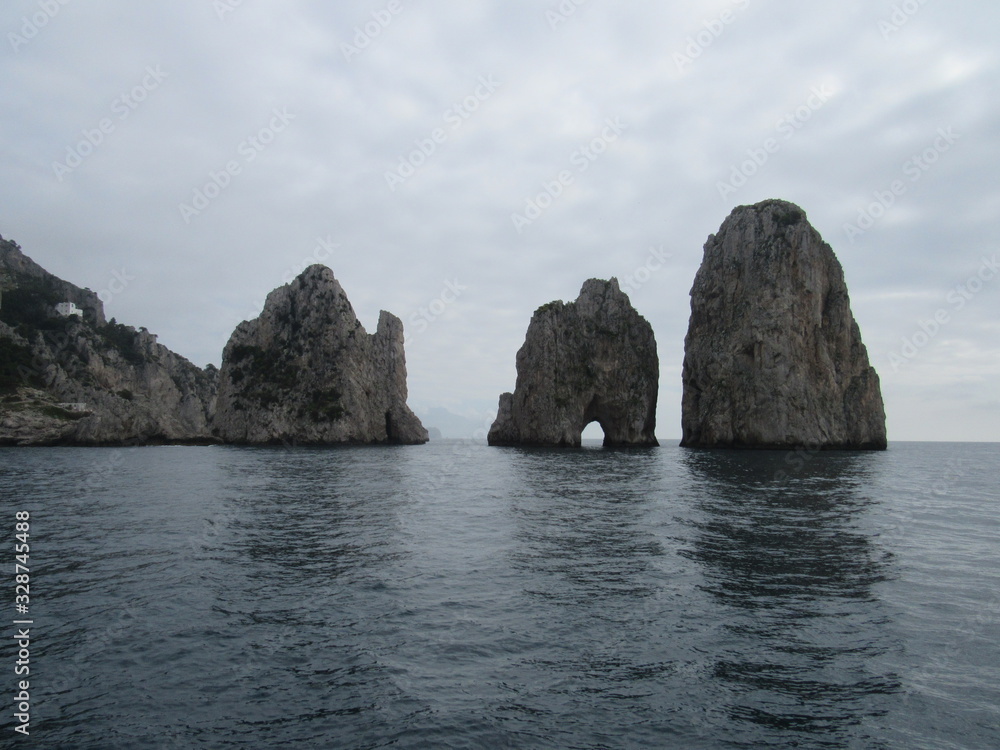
[592, 360]
[773, 357]
[305, 372]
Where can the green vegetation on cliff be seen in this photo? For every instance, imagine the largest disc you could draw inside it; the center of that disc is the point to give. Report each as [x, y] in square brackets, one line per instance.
[16, 366]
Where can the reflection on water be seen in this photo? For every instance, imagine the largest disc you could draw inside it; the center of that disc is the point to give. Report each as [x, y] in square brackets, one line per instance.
[302, 555]
[790, 562]
[580, 521]
[786, 543]
[587, 550]
[464, 596]
[309, 515]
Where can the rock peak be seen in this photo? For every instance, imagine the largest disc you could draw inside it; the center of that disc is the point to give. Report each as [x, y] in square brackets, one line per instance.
[316, 273]
[306, 372]
[600, 288]
[773, 356]
[589, 360]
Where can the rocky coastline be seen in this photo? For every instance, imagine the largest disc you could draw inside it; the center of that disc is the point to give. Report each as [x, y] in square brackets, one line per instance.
[773, 360]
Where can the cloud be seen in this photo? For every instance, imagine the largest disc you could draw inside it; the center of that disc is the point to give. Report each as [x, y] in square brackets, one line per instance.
[356, 116]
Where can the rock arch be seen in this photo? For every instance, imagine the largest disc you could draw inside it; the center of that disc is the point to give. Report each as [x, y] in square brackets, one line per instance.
[592, 360]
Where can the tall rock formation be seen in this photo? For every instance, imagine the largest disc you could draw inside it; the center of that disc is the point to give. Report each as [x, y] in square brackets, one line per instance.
[78, 380]
[306, 372]
[773, 357]
[590, 360]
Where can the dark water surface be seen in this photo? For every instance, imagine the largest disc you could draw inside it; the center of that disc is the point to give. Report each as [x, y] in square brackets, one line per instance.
[458, 596]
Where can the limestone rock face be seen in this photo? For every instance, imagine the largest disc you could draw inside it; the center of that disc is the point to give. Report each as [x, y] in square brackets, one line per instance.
[84, 381]
[773, 357]
[306, 372]
[590, 360]
[21, 274]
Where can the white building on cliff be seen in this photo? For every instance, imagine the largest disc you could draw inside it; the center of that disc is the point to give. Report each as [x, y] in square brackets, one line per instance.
[68, 308]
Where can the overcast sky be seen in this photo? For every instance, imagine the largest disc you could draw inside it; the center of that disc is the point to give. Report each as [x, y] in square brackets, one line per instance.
[460, 164]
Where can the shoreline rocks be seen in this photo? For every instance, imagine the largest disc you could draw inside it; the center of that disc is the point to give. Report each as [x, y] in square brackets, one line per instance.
[79, 380]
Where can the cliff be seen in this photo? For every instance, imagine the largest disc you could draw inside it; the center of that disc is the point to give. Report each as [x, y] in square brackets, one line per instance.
[79, 380]
[306, 372]
[773, 356]
[590, 360]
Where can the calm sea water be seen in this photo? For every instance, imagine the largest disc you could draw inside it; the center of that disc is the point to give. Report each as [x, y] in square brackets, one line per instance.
[459, 596]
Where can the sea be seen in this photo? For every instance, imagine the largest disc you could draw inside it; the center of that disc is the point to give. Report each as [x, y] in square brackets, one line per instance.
[454, 595]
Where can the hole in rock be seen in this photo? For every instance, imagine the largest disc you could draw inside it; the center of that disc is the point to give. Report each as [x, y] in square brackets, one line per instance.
[593, 431]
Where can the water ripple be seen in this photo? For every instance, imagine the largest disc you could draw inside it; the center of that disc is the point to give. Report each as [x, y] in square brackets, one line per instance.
[453, 595]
